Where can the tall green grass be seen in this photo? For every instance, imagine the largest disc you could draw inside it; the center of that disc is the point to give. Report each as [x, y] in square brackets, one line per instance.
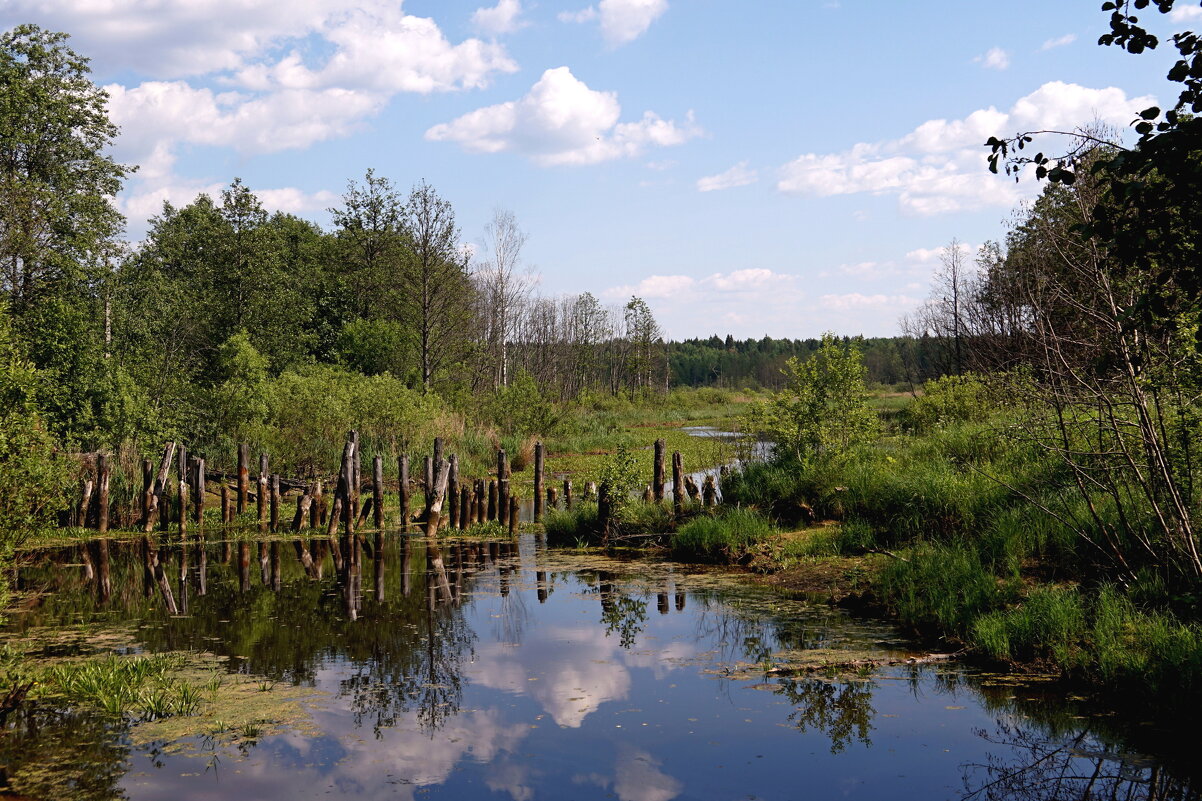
[725, 536]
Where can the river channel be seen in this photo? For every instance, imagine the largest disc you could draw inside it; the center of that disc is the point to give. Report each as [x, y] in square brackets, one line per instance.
[394, 668]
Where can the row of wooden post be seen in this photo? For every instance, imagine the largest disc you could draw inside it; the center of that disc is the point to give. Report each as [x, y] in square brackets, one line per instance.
[467, 502]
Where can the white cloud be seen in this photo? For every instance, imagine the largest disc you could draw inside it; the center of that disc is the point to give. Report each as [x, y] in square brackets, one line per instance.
[737, 175]
[1186, 13]
[857, 300]
[258, 76]
[562, 121]
[995, 58]
[653, 287]
[499, 19]
[939, 167]
[1059, 41]
[622, 21]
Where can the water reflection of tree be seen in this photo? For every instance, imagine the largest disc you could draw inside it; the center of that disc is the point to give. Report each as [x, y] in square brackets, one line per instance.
[842, 710]
[621, 612]
[1032, 765]
[64, 755]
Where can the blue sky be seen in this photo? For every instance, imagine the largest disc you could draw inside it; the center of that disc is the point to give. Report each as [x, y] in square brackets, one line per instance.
[779, 168]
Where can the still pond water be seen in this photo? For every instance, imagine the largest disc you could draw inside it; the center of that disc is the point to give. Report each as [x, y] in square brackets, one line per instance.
[393, 669]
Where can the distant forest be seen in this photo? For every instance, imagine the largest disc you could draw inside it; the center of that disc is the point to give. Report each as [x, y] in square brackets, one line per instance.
[757, 363]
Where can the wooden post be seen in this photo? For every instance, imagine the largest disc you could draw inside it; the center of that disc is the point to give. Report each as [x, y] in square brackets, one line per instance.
[243, 475]
[303, 506]
[678, 483]
[590, 490]
[356, 477]
[648, 494]
[226, 514]
[147, 487]
[515, 509]
[154, 508]
[275, 502]
[261, 500]
[502, 485]
[427, 484]
[657, 480]
[692, 489]
[492, 499]
[404, 494]
[103, 473]
[552, 498]
[437, 454]
[377, 491]
[472, 503]
[85, 499]
[346, 482]
[567, 494]
[453, 492]
[316, 505]
[481, 501]
[538, 481]
[465, 502]
[198, 479]
[442, 475]
[709, 491]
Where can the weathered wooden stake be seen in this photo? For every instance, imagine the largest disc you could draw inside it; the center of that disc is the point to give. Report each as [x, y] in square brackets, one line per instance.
[404, 492]
[538, 481]
[678, 490]
[275, 502]
[502, 484]
[442, 475]
[465, 503]
[317, 506]
[481, 501]
[226, 512]
[567, 494]
[657, 480]
[147, 488]
[377, 490]
[303, 504]
[261, 498]
[356, 477]
[346, 480]
[427, 485]
[154, 507]
[198, 479]
[709, 491]
[243, 475]
[85, 500]
[515, 509]
[453, 492]
[103, 474]
[492, 499]
[552, 498]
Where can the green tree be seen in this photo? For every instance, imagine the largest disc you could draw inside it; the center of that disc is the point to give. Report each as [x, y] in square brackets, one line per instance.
[58, 226]
[437, 296]
[34, 477]
[823, 408]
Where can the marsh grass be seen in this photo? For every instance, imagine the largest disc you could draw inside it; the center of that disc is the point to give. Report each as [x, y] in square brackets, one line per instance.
[725, 536]
[140, 686]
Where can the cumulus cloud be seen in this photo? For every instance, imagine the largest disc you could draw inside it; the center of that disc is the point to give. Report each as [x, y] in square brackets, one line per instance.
[258, 76]
[939, 166]
[857, 300]
[621, 21]
[995, 58]
[499, 19]
[1186, 14]
[1059, 41]
[562, 121]
[737, 175]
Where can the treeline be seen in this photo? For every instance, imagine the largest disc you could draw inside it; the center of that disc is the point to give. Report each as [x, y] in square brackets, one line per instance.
[904, 361]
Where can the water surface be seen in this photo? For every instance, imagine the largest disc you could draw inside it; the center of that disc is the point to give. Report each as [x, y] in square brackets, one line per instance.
[510, 671]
